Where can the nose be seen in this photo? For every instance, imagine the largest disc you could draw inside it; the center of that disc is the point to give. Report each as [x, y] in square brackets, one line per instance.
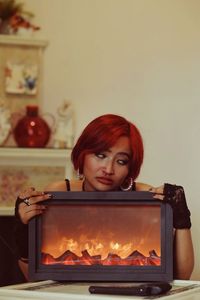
[109, 168]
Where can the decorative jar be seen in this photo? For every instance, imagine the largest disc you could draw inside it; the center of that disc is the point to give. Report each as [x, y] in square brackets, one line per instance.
[32, 130]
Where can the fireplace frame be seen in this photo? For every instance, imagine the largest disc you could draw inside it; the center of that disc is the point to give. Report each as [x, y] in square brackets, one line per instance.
[81, 273]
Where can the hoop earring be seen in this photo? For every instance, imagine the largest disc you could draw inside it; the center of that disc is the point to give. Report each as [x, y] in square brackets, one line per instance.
[129, 187]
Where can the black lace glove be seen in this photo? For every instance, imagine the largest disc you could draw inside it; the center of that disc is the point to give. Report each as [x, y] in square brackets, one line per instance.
[175, 196]
[20, 233]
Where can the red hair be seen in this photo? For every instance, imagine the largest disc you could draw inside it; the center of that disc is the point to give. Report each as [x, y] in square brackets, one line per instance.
[101, 134]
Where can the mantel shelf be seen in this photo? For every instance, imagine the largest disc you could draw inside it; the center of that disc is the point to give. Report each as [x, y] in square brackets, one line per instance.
[7, 211]
[33, 156]
[22, 41]
[36, 157]
[33, 152]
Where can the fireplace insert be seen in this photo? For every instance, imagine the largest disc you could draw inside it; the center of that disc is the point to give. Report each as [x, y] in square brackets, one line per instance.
[102, 236]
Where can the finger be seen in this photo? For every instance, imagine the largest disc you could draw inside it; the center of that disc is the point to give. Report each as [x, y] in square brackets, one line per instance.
[159, 193]
[29, 192]
[34, 207]
[33, 199]
[159, 190]
[26, 193]
[152, 189]
[158, 196]
[31, 215]
[39, 198]
[31, 211]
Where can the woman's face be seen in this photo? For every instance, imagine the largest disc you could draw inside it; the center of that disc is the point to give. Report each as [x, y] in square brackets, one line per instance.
[107, 170]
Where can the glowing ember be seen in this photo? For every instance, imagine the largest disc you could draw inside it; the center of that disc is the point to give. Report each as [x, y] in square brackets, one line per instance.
[134, 259]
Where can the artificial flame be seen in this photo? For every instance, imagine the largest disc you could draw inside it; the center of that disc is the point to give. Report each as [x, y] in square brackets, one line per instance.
[101, 231]
[95, 247]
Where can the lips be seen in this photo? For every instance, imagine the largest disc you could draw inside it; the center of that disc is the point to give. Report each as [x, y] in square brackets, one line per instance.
[104, 180]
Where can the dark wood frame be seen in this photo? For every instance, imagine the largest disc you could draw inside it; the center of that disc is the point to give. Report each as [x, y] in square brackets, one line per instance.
[37, 271]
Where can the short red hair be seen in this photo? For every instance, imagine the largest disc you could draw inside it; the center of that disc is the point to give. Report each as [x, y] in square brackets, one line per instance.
[101, 134]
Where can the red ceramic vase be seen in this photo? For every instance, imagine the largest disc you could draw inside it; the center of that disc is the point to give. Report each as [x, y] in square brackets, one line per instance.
[32, 131]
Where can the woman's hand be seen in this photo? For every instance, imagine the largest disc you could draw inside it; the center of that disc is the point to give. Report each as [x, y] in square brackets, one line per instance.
[183, 248]
[175, 196]
[29, 204]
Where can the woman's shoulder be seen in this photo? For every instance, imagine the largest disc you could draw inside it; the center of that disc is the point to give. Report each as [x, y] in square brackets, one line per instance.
[56, 186]
[75, 185]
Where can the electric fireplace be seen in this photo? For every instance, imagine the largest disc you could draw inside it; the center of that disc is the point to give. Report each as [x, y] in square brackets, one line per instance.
[102, 236]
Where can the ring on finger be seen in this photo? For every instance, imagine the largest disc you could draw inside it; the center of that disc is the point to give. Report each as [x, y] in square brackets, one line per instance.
[27, 202]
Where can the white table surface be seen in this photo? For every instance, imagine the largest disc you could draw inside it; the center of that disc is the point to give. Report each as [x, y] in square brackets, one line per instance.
[184, 290]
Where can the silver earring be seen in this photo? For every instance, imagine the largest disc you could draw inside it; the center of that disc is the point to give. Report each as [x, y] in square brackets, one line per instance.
[80, 176]
[127, 187]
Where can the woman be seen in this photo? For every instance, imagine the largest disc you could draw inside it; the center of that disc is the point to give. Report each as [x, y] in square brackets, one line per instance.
[108, 156]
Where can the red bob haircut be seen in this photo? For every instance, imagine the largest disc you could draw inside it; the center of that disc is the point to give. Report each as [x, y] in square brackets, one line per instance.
[101, 134]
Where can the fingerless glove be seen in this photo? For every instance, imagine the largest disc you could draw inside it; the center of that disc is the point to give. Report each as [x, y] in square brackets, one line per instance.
[175, 196]
[20, 233]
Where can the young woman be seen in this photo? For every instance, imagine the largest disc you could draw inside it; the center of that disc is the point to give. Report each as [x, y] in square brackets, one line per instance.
[108, 156]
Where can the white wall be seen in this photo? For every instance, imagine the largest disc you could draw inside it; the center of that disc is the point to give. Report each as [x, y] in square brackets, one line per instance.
[137, 58]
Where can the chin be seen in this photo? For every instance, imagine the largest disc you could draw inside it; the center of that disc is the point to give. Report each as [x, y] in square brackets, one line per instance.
[105, 189]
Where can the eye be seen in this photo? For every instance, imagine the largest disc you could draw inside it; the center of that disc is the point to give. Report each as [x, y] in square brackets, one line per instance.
[122, 162]
[100, 155]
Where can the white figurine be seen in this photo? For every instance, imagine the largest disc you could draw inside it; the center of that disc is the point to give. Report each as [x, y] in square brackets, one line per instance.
[5, 125]
[64, 133]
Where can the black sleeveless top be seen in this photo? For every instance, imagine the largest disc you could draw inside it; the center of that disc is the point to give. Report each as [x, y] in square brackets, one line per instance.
[67, 181]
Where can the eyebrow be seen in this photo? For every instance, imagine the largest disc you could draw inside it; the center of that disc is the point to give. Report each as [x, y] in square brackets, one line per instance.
[124, 153]
[121, 153]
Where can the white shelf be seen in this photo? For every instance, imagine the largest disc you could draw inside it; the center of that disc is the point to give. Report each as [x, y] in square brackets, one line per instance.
[22, 41]
[7, 211]
[33, 156]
